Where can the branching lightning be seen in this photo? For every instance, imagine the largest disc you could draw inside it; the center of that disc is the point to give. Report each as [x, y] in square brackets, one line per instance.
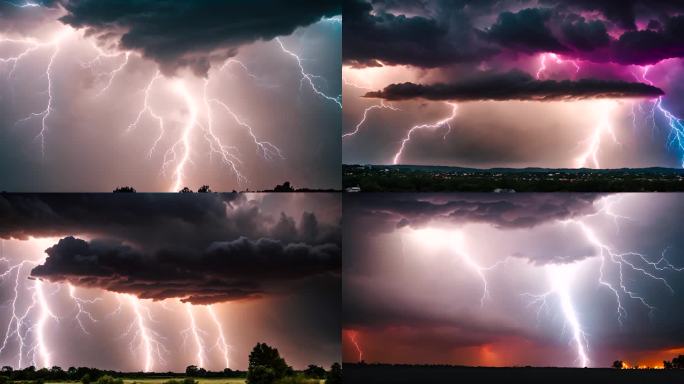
[557, 59]
[309, 78]
[221, 340]
[382, 105]
[195, 331]
[441, 123]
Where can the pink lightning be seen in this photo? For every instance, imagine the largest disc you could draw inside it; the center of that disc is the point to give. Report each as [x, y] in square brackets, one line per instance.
[557, 59]
[353, 336]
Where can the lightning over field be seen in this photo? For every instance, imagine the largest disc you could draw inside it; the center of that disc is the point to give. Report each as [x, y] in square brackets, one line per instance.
[550, 84]
[88, 287]
[200, 101]
[561, 280]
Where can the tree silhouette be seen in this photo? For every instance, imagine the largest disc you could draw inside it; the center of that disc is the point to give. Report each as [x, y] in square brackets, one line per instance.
[204, 189]
[335, 374]
[185, 190]
[618, 364]
[125, 189]
[285, 187]
[266, 365]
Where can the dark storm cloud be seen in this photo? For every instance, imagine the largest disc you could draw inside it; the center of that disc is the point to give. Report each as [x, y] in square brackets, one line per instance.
[417, 40]
[192, 34]
[436, 34]
[226, 270]
[525, 31]
[385, 212]
[517, 86]
[623, 12]
[201, 247]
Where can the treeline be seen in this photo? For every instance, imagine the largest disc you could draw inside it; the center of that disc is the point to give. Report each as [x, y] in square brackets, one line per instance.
[284, 187]
[266, 366]
[93, 374]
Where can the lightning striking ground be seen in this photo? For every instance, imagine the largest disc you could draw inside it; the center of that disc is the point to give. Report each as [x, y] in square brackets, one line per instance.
[438, 124]
[221, 340]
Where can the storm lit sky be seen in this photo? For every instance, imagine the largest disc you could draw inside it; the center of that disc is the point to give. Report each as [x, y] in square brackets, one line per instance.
[503, 280]
[83, 109]
[158, 282]
[531, 83]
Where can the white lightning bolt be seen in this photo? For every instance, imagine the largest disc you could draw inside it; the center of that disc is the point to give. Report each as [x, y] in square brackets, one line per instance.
[80, 308]
[603, 127]
[557, 59]
[221, 341]
[382, 105]
[150, 343]
[438, 124]
[196, 335]
[309, 78]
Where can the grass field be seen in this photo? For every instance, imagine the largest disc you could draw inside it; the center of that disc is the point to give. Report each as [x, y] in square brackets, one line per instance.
[160, 380]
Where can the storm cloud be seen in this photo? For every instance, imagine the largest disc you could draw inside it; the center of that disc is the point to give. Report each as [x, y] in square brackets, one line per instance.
[194, 34]
[224, 271]
[199, 248]
[517, 86]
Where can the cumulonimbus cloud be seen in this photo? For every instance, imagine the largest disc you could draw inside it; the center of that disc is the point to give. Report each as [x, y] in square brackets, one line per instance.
[193, 34]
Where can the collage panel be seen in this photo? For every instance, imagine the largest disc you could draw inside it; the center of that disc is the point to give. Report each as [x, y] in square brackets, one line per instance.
[170, 288]
[512, 288]
[161, 95]
[533, 96]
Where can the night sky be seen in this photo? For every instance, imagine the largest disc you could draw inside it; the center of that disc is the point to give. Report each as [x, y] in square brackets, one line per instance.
[546, 83]
[503, 280]
[116, 281]
[230, 106]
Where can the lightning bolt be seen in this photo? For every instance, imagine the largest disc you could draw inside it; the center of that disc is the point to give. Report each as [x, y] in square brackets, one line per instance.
[150, 343]
[438, 124]
[676, 124]
[195, 334]
[353, 336]
[557, 59]
[603, 127]
[560, 280]
[221, 341]
[81, 311]
[382, 105]
[309, 78]
[44, 115]
[45, 315]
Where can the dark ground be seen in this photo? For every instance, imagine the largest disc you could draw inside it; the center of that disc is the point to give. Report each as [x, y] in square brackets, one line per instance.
[415, 178]
[415, 374]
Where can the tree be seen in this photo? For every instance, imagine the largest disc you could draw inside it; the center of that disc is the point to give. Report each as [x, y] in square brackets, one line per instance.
[204, 189]
[618, 364]
[335, 374]
[315, 372]
[286, 187]
[85, 379]
[260, 375]
[191, 370]
[7, 369]
[667, 364]
[185, 190]
[125, 189]
[266, 364]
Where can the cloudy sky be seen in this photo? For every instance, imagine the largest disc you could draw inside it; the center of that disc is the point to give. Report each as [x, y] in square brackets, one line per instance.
[513, 83]
[165, 281]
[529, 279]
[162, 94]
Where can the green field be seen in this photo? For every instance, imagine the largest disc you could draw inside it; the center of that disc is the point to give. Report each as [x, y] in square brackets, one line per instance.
[160, 380]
